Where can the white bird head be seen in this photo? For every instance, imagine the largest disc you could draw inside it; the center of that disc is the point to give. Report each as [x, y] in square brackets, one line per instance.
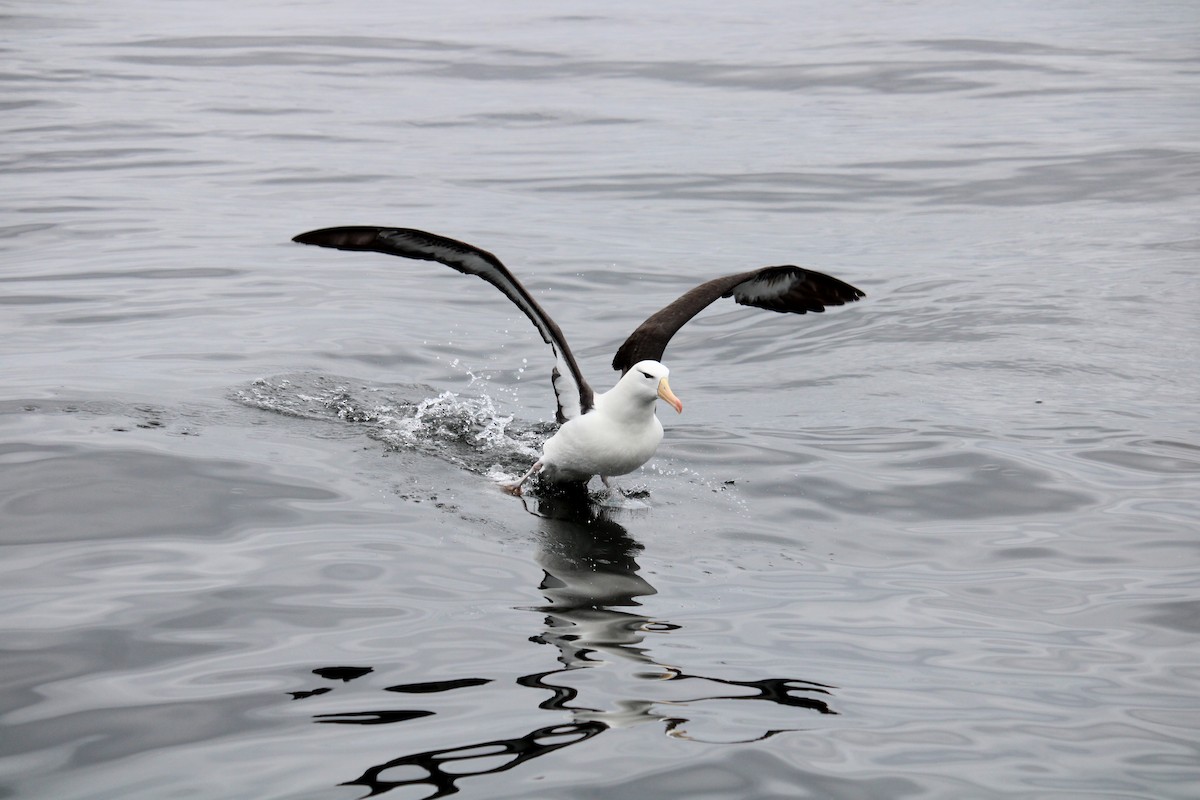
[647, 381]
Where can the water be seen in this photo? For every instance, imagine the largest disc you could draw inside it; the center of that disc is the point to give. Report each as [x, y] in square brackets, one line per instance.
[940, 544]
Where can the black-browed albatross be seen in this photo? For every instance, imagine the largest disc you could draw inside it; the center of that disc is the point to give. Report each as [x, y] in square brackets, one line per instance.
[615, 432]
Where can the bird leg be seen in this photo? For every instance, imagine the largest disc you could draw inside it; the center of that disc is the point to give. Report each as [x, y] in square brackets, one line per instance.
[515, 488]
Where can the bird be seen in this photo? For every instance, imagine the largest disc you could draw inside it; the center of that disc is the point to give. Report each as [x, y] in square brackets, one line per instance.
[615, 432]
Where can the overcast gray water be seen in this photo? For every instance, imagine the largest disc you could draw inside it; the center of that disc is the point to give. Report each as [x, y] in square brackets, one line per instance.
[942, 543]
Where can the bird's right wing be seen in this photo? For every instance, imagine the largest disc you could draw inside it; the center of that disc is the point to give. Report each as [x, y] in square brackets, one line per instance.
[574, 395]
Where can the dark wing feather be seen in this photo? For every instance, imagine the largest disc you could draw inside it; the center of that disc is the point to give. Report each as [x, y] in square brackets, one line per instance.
[574, 395]
[785, 289]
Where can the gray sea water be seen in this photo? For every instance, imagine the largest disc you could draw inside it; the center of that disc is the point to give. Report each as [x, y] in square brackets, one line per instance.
[944, 543]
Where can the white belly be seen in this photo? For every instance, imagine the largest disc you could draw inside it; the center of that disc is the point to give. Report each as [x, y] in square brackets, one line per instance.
[596, 445]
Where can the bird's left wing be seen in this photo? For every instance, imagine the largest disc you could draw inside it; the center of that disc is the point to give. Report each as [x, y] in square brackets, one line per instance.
[574, 395]
[785, 289]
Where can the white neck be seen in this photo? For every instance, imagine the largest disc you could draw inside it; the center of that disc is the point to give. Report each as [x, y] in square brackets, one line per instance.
[623, 405]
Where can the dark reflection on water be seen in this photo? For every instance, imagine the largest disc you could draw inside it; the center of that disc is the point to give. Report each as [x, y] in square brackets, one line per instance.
[515, 752]
[437, 686]
[372, 717]
[345, 674]
[590, 570]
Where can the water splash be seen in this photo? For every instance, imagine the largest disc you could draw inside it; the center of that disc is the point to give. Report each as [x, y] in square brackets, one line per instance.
[472, 420]
[473, 432]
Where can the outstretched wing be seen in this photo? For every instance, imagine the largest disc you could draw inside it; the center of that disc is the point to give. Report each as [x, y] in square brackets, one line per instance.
[573, 393]
[785, 289]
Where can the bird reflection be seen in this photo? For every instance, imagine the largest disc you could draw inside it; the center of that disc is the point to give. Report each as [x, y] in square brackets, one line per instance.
[591, 584]
[591, 571]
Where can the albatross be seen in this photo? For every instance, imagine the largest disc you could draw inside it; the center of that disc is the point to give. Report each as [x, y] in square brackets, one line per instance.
[615, 432]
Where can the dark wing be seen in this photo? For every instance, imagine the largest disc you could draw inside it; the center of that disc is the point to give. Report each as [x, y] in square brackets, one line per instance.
[573, 393]
[784, 289]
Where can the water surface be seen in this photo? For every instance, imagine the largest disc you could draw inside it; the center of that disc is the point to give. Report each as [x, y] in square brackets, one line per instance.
[939, 544]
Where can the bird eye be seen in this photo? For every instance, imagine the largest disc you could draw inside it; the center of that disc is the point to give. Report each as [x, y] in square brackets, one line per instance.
[647, 374]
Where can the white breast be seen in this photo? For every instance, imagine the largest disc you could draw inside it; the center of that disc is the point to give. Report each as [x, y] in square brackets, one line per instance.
[598, 444]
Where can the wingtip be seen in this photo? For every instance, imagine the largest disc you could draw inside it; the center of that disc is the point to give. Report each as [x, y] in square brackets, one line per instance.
[351, 237]
[320, 236]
